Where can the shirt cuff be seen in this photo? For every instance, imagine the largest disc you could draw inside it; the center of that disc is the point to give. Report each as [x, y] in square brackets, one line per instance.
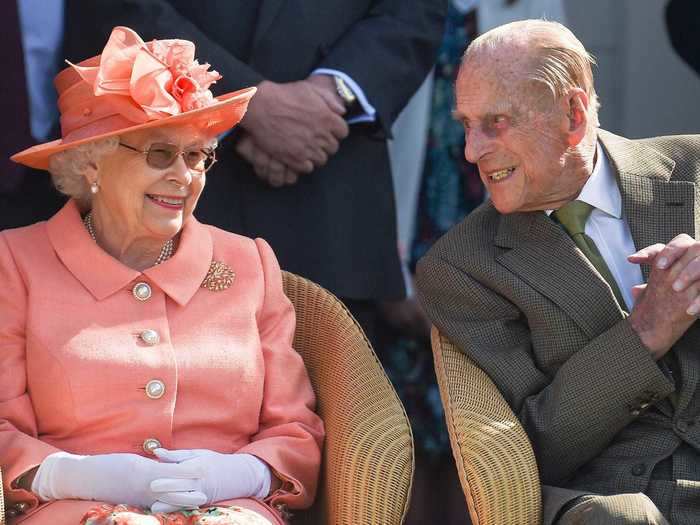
[370, 114]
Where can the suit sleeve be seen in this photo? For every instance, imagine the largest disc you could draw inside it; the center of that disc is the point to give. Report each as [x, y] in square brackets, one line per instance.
[390, 51]
[20, 448]
[153, 19]
[290, 435]
[571, 416]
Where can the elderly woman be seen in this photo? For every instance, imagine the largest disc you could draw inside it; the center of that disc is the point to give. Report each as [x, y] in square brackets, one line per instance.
[145, 358]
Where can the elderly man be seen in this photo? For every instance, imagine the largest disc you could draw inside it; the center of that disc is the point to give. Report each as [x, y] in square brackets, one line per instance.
[594, 346]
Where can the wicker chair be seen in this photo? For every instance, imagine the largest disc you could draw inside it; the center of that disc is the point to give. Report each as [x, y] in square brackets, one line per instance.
[495, 461]
[368, 454]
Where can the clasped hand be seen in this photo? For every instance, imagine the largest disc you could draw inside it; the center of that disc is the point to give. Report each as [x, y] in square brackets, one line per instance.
[669, 303]
[292, 128]
[181, 479]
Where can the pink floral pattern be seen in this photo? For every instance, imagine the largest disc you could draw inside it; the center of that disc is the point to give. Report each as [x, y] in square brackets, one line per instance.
[127, 515]
[149, 81]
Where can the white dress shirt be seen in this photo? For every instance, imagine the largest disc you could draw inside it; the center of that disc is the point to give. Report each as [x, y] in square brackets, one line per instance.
[369, 114]
[608, 228]
[41, 24]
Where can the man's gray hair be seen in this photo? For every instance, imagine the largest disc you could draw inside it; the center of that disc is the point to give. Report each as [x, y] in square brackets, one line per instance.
[557, 58]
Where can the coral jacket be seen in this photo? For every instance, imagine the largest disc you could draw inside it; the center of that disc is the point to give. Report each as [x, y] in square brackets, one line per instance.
[78, 349]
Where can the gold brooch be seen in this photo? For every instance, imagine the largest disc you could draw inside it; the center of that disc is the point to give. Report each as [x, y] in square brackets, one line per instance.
[219, 277]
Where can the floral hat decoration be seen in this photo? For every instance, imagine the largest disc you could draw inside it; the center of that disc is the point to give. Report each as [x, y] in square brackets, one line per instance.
[135, 85]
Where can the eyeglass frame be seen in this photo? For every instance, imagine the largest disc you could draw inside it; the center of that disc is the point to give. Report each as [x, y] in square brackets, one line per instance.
[211, 154]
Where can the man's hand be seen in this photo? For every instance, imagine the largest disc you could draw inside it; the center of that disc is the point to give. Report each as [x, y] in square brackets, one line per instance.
[268, 169]
[297, 123]
[667, 306]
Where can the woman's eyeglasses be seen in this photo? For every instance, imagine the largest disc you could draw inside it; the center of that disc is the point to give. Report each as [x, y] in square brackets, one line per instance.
[162, 156]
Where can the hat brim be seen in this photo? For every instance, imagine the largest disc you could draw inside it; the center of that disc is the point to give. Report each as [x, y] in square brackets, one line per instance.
[222, 115]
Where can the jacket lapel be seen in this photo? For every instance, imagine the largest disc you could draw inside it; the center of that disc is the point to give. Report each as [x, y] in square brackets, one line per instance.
[656, 208]
[266, 16]
[544, 256]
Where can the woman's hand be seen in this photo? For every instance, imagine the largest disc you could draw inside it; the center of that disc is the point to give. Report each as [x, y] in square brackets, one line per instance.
[114, 478]
[221, 477]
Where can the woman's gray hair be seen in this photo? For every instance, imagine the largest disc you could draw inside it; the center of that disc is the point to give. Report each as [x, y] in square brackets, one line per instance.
[67, 168]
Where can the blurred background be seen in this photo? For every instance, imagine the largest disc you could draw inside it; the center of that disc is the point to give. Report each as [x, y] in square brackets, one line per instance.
[645, 88]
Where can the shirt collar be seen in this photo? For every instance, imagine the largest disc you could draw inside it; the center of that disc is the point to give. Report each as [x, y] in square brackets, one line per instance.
[179, 277]
[601, 190]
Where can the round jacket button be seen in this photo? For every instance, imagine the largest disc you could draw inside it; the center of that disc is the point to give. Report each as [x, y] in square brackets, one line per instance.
[639, 469]
[142, 291]
[682, 427]
[150, 337]
[150, 444]
[155, 389]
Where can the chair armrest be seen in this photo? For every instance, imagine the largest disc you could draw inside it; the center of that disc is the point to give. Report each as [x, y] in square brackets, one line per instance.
[368, 454]
[495, 461]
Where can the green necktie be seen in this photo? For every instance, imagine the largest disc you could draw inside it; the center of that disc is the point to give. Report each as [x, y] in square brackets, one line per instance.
[573, 217]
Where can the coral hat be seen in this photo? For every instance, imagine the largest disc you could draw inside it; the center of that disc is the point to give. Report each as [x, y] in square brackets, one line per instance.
[135, 85]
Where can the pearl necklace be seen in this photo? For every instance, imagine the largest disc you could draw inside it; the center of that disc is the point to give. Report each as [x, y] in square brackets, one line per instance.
[165, 253]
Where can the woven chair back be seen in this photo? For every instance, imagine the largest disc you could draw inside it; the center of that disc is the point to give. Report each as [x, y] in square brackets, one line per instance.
[368, 453]
[495, 461]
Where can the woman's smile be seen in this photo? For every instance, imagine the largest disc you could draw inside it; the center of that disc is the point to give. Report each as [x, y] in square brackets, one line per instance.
[170, 203]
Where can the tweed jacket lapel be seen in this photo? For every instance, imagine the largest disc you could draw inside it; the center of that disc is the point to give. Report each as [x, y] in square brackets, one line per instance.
[544, 256]
[657, 209]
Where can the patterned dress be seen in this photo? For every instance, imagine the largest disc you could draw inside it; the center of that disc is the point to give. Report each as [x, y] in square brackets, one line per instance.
[450, 189]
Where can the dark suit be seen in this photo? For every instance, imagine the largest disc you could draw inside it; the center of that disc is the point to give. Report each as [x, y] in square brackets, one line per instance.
[515, 293]
[337, 225]
[683, 23]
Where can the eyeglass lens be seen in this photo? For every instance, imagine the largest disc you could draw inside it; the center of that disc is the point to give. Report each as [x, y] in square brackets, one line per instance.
[161, 156]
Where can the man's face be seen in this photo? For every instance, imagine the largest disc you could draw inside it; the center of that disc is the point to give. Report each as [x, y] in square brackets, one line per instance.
[517, 140]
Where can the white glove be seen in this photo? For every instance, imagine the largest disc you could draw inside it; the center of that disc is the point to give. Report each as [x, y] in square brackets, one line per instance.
[221, 477]
[113, 478]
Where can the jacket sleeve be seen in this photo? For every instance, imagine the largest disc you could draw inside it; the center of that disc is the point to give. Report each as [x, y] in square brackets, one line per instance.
[290, 434]
[153, 19]
[570, 416]
[20, 448]
[390, 51]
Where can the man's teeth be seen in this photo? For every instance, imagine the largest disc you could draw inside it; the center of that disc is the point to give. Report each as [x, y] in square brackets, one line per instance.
[167, 200]
[498, 175]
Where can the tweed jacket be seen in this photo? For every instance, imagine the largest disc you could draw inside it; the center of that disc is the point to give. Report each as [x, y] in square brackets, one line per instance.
[515, 293]
[75, 359]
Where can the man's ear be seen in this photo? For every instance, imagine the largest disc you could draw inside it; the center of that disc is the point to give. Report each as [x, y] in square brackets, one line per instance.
[576, 107]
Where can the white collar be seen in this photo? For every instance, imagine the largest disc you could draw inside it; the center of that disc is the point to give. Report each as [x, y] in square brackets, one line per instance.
[600, 190]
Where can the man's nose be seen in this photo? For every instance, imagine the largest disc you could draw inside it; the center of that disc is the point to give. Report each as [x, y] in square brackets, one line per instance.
[476, 145]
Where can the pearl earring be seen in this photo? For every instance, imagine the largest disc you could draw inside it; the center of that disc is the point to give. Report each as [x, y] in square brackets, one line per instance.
[94, 188]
